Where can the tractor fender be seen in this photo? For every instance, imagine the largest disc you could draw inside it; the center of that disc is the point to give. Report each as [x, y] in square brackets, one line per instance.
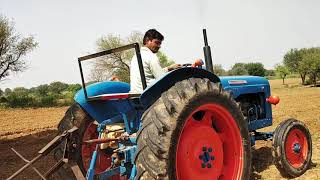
[154, 91]
[102, 110]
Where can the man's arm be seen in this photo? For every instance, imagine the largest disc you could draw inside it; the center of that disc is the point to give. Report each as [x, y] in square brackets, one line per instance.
[173, 67]
[156, 69]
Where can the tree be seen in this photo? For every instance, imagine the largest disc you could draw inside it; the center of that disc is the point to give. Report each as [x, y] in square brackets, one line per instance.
[282, 71]
[43, 89]
[218, 70]
[164, 60]
[20, 92]
[312, 61]
[7, 91]
[292, 60]
[12, 49]
[74, 88]
[255, 69]
[238, 69]
[118, 64]
[57, 87]
[1, 92]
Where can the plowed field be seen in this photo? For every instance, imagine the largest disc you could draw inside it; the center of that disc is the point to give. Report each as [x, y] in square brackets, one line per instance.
[28, 130]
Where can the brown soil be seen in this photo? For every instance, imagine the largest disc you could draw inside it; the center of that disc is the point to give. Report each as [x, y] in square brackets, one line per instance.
[28, 130]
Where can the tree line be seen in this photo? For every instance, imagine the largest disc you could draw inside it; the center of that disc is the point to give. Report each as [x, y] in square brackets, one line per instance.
[46, 95]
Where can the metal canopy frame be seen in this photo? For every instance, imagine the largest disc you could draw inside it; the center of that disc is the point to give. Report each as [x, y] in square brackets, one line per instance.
[110, 51]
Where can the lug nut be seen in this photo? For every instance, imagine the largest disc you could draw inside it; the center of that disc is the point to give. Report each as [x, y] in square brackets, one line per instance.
[203, 165]
[201, 157]
[209, 165]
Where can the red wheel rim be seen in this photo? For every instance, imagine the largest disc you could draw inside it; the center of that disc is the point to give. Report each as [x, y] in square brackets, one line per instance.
[210, 147]
[296, 147]
[103, 161]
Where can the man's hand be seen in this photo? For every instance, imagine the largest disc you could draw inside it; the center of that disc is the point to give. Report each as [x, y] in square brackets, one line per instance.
[173, 67]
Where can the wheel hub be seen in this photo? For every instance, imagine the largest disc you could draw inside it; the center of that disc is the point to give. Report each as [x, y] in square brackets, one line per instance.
[207, 157]
[297, 148]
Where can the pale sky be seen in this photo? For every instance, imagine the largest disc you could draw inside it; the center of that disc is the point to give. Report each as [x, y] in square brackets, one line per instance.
[238, 31]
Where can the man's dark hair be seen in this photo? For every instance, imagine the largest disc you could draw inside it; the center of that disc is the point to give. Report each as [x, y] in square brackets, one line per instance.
[152, 34]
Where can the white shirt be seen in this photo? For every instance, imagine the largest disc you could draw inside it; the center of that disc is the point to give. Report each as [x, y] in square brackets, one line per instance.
[151, 66]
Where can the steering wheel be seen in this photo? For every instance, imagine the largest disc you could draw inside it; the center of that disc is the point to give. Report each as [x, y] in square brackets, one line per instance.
[197, 63]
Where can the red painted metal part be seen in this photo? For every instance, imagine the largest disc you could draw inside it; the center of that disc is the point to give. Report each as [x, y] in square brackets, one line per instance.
[103, 161]
[224, 139]
[119, 96]
[113, 96]
[296, 159]
[273, 100]
[198, 62]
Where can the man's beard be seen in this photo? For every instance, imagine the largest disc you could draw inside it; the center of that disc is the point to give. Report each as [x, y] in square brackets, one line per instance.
[155, 50]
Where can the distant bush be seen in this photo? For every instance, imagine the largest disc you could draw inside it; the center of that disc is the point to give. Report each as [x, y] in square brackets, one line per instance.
[15, 101]
[64, 102]
[47, 101]
[309, 81]
[54, 94]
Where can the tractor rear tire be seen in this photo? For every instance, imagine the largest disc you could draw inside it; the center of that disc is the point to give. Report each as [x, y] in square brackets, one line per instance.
[76, 116]
[195, 130]
[292, 148]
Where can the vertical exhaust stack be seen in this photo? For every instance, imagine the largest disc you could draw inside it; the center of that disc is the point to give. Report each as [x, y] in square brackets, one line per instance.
[207, 52]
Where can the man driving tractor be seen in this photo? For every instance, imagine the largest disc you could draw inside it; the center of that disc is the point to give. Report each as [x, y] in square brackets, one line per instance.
[151, 65]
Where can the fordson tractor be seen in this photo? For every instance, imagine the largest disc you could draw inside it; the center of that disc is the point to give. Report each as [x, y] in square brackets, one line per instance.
[190, 124]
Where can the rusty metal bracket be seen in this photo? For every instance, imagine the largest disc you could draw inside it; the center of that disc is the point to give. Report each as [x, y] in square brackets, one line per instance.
[66, 138]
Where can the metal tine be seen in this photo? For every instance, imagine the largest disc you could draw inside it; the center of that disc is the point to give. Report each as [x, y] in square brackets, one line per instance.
[27, 161]
[18, 154]
[41, 175]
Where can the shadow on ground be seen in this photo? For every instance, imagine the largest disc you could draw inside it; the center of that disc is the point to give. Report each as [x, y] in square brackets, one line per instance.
[28, 146]
[261, 160]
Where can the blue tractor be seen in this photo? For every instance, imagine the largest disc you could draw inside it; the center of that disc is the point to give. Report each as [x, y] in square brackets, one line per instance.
[190, 124]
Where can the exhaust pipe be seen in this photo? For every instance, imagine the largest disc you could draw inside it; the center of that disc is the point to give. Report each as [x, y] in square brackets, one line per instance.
[207, 53]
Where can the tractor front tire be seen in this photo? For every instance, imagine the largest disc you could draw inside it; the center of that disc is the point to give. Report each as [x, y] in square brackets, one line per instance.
[292, 148]
[195, 130]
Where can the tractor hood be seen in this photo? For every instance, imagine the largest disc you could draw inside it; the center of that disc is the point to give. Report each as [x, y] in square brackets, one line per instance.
[245, 85]
[242, 81]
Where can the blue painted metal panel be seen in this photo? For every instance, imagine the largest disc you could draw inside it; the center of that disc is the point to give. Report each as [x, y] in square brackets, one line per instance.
[102, 110]
[254, 84]
[260, 123]
[251, 80]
